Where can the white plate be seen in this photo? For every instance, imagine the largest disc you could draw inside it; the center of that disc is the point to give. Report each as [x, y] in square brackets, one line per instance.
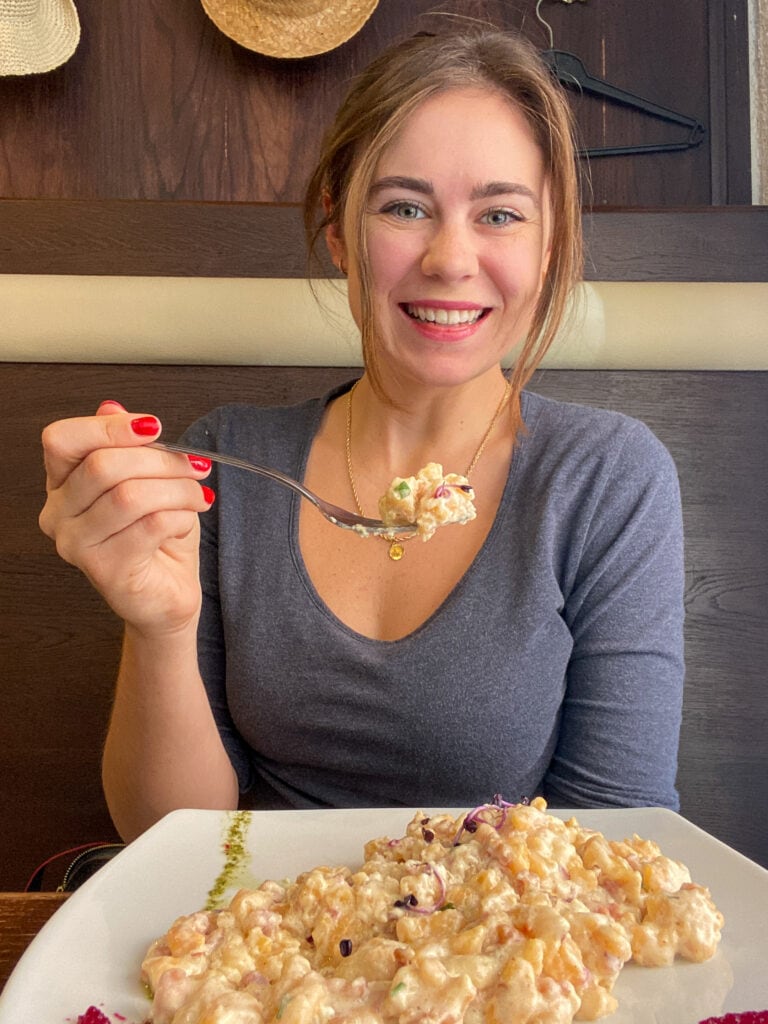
[90, 951]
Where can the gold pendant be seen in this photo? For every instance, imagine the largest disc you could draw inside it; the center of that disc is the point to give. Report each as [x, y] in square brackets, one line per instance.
[396, 551]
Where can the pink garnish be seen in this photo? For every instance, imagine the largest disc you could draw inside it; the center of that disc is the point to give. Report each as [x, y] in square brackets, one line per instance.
[411, 903]
[93, 1015]
[444, 490]
[494, 814]
[745, 1017]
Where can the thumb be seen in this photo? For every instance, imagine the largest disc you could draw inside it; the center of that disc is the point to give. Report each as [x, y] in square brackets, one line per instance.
[67, 442]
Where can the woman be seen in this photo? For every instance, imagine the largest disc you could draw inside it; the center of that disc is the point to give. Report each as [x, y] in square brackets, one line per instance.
[536, 649]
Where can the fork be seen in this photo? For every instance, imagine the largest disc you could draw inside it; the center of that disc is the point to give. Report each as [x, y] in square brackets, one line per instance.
[338, 516]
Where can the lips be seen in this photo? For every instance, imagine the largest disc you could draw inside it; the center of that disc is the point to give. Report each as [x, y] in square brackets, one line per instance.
[442, 316]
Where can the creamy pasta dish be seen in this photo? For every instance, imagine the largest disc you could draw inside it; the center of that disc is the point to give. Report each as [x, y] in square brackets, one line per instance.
[506, 915]
[429, 499]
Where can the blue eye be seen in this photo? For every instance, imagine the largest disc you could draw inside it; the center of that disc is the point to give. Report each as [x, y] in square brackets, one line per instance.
[500, 217]
[405, 210]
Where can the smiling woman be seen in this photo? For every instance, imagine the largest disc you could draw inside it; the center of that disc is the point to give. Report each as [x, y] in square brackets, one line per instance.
[413, 83]
[453, 250]
[271, 659]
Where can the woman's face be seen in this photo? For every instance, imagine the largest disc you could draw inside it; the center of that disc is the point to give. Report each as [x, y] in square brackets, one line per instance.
[458, 228]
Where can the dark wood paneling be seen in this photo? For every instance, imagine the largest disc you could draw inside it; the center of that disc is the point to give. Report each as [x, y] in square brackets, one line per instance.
[40, 236]
[729, 101]
[720, 244]
[59, 646]
[157, 103]
[263, 240]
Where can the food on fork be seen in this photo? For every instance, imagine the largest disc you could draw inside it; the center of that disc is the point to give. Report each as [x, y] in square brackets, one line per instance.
[506, 913]
[429, 499]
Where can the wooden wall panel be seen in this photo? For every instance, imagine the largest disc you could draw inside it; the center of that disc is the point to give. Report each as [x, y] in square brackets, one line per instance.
[186, 239]
[157, 103]
[59, 646]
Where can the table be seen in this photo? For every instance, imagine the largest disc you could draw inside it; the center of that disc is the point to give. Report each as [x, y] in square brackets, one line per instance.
[22, 915]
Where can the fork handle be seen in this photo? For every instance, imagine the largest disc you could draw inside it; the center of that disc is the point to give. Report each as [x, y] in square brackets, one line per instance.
[339, 516]
[233, 460]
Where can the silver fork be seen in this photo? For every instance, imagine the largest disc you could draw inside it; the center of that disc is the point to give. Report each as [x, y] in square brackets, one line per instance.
[338, 516]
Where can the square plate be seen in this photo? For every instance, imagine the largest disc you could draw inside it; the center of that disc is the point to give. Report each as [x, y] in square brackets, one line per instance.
[90, 951]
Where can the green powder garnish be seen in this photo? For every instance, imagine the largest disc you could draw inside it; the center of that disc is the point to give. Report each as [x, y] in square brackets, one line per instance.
[235, 856]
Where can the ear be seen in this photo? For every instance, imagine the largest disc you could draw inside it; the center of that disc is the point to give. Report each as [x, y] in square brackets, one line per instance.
[334, 237]
[336, 247]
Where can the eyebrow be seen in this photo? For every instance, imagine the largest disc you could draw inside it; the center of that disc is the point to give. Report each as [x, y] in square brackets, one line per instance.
[398, 181]
[504, 188]
[489, 190]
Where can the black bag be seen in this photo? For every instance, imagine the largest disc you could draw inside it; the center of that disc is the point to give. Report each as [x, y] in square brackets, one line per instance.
[87, 862]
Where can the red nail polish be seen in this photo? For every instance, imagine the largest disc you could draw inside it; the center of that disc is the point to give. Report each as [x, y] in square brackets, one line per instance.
[146, 426]
[199, 463]
[209, 495]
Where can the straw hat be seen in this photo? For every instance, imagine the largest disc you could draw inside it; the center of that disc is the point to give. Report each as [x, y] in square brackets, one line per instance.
[36, 35]
[290, 28]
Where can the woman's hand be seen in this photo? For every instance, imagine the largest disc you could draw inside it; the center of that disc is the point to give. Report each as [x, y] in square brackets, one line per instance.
[127, 515]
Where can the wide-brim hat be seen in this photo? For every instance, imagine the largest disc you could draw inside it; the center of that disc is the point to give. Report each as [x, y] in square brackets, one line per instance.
[290, 28]
[36, 35]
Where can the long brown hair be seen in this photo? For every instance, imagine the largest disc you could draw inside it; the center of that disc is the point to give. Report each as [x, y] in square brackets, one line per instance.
[377, 105]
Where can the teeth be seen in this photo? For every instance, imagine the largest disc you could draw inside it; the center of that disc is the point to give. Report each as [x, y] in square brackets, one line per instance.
[448, 317]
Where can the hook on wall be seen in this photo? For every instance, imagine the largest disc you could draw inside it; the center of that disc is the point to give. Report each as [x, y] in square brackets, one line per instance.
[546, 24]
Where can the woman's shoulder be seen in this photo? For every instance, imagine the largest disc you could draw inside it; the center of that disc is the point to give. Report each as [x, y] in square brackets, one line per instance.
[589, 431]
[554, 412]
[597, 471]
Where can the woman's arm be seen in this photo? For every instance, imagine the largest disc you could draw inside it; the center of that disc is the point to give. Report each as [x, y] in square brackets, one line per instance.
[163, 749]
[621, 715]
[127, 516]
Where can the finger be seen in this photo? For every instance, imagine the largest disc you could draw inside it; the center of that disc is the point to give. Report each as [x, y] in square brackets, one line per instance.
[67, 442]
[107, 468]
[134, 500]
[120, 509]
[150, 570]
[173, 534]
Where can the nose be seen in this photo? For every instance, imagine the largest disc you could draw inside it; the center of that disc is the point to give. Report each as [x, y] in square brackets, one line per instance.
[451, 253]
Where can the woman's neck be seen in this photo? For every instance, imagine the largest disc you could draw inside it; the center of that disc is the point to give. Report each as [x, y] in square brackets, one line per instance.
[438, 424]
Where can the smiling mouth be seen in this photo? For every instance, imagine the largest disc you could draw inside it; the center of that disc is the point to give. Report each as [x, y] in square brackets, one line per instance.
[443, 317]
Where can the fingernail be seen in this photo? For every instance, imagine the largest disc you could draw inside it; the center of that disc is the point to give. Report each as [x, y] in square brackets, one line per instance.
[145, 426]
[209, 495]
[199, 463]
[112, 401]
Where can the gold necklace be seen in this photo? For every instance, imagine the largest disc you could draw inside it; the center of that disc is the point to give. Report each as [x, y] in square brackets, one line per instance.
[396, 549]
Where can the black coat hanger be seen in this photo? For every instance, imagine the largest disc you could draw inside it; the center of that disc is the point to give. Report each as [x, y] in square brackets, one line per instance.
[570, 70]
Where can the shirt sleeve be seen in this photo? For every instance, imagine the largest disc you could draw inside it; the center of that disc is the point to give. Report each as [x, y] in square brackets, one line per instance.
[620, 724]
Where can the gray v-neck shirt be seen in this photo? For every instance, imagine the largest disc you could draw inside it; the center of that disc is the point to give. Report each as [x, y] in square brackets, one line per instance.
[554, 667]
